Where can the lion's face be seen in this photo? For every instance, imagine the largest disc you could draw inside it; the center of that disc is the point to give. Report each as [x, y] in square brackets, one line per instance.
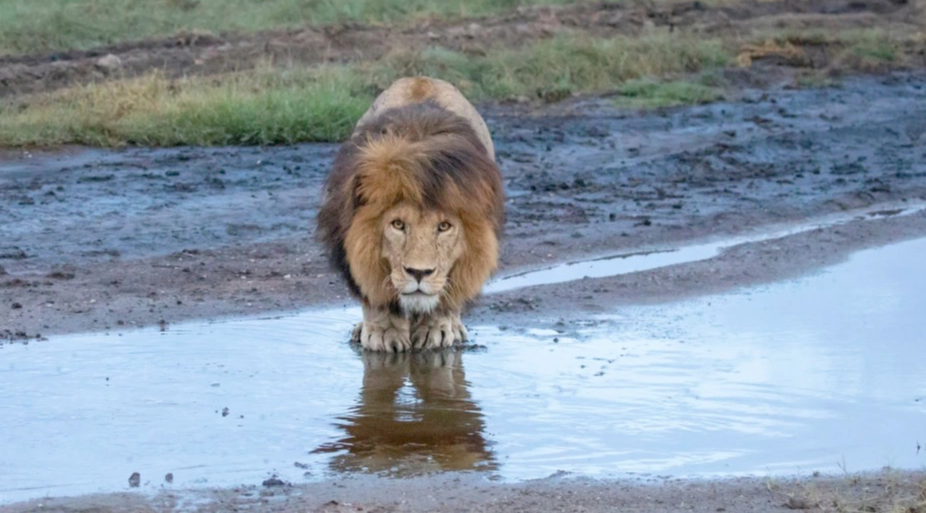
[421, 248]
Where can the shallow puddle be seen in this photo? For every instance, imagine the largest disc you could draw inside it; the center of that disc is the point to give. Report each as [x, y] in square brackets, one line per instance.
[635, 262]
[821, 373]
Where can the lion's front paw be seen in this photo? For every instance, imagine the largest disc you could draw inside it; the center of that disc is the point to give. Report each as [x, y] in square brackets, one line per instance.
[378, 338]
[438, 331]
[459, 330]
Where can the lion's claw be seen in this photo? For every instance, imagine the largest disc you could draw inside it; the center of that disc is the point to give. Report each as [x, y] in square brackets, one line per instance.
[439, 331]
[377, 338]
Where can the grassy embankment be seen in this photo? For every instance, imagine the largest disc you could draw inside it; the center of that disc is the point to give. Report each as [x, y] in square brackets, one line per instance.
[274, 105]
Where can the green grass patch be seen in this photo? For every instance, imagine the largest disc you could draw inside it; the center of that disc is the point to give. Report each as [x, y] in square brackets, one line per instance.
[872, 48]
[30, 26]
[648, 94]
[261, 108]
[274, 105]
[552, 70]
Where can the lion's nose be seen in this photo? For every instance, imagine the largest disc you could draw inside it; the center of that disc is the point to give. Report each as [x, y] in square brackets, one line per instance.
[418, 274]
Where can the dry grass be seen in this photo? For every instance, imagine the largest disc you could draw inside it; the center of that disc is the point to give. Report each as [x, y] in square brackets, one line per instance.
[890, 491]
[845, 50]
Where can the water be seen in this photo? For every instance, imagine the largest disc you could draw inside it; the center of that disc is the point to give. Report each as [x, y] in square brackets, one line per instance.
[614, 265]
[820, 373]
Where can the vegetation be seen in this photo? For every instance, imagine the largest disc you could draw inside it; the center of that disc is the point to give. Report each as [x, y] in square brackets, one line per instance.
[254, 108]
[277, 104]
[647, 94]
[27, 26]
[273, 105]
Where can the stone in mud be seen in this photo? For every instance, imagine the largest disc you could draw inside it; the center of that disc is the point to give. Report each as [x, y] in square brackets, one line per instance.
[273, 482]
[109, 62]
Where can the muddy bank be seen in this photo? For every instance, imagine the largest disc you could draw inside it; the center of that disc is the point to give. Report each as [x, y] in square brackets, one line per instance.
[883, 491]
[202, 54]
[101, 239]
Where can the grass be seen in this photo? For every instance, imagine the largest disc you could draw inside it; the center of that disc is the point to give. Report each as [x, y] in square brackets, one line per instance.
[275, 105]
[872, 48]
[551, 70]
[29, 26]
[265, 107]
[853, 50]
[890, 491]
[649, 94]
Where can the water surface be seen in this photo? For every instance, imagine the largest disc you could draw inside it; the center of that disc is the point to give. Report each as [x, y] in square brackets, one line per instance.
[819, 373]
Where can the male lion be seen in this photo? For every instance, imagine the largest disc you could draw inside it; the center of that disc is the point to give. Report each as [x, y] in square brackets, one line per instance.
[412, 214]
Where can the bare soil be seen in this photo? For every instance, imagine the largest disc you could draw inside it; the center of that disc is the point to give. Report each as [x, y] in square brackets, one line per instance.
[882, 491]
[98, 240]
[203, 54]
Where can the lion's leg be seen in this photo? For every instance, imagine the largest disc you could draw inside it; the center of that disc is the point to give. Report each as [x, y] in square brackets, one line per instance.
[382, 331]
[438, 330]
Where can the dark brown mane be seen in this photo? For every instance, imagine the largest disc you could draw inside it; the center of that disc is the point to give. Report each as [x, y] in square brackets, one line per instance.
[422, 154]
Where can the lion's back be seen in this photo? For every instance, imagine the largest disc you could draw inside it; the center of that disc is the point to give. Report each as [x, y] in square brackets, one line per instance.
[412, 90]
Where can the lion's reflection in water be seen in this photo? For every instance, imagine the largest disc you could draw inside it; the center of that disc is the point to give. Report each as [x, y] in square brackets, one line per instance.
[414, 416]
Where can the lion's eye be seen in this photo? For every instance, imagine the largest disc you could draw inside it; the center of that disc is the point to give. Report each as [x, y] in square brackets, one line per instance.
[444, 226]
[398, 224]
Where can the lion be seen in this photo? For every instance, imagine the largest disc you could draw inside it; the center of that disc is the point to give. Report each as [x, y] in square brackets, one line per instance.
[413, 213]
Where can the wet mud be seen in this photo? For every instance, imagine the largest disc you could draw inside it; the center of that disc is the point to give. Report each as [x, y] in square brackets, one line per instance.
[97, 239]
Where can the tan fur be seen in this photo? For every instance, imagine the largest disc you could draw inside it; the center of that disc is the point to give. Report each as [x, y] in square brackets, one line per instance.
[409, 90]
[413, 212]
[443, 431]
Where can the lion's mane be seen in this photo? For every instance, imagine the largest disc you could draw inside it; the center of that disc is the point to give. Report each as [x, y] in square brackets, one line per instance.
[425, 155]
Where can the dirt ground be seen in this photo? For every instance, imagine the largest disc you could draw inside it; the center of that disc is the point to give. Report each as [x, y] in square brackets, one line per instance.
[104, 240]
[882, 491]
[203, 54]
[98, 240]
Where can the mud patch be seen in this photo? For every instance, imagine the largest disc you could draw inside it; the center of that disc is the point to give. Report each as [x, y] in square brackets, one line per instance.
[186, 233]
[638, 262]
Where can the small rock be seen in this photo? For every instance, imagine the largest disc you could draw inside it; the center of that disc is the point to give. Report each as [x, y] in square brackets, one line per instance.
[134, 480]
[225, 411]
[798, 503]
[109, 62]
[169, 478]
[17, 306]
[13, 253]
[274, 481]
